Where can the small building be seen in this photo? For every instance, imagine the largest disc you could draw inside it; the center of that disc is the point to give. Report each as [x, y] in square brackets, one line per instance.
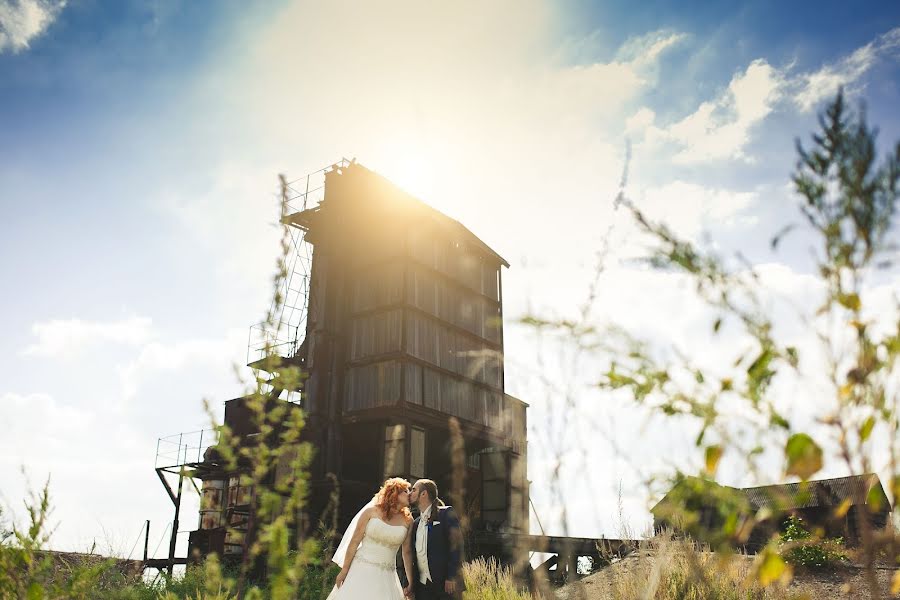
[749, 517]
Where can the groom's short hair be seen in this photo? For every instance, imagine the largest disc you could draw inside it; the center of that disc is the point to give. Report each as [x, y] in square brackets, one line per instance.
[429, 486]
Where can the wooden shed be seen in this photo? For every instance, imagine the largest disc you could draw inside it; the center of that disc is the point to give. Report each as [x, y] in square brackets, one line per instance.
[710, 512]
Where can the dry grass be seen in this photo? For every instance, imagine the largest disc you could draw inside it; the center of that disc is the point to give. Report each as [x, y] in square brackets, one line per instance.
[487, 580]
[668, 569]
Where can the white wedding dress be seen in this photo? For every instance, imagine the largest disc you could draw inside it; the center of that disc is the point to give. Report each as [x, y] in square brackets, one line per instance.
[373, 572]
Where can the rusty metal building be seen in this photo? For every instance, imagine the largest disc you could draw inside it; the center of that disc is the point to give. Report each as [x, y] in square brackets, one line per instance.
[394, 313]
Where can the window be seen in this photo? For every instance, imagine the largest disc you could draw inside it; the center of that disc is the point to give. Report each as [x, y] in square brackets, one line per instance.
[417, 452]
[473, 462]
[394, 455]
[238, 495]
[412, 374]
[495, 483]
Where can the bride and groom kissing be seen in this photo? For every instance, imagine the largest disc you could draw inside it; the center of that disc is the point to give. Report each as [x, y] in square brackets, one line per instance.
[431, 544]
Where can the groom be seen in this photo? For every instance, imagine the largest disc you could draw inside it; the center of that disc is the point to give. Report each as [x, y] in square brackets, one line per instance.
[437, 542]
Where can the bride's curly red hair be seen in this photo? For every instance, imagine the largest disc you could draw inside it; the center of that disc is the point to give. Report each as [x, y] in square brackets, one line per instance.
[387, 500]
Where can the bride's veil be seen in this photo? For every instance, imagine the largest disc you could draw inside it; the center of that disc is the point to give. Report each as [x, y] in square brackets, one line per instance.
[341, 553]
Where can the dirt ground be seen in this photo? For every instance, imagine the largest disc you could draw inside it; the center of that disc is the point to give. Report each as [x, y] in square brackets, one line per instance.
[841, 583]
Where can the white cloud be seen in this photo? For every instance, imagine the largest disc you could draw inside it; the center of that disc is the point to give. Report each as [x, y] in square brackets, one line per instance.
[95, 435]
[607, 85]
[23, 20]
[38, 422]
[645, 50]
[102, 484]
[72, 336]
[233, 215]
[818, 85]
[158, 357]
[640, 120]
[690, 208]
[721, 128]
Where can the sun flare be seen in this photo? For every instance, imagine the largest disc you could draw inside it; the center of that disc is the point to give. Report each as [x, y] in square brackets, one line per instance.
[413, 167]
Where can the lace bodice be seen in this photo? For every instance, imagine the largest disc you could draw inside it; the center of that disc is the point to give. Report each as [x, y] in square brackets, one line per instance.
[380, 544]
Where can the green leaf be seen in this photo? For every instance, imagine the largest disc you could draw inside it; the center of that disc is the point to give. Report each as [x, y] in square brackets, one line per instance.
[843, 508]
[850, 301]
[875, 499]
[771, 568]
[760, 365]
[778, 421]
[700, 436]
[865, 429]
[783, 232]
[804, 456]
[793, 357]
[713, 456]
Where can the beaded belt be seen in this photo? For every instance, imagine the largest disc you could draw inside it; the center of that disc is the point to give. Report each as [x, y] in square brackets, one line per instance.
[381, 542]
[381, 565]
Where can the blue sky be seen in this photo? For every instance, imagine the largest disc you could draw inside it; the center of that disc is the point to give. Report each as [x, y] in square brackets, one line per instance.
[140, 143]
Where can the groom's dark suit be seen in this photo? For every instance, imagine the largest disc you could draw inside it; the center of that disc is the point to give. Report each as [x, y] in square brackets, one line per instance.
[444, 554]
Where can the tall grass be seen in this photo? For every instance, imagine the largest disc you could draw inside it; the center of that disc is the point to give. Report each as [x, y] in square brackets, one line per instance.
[667, 568]
[488, 580]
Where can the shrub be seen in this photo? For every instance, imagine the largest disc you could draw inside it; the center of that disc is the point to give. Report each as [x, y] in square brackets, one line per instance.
[317, 581]
[799, 548]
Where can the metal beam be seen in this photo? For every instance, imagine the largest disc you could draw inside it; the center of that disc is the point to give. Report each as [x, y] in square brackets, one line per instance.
[146, 541]
[174, 535]
[159, 472]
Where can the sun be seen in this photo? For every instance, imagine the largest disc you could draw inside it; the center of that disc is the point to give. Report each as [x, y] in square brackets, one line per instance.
[410, 166]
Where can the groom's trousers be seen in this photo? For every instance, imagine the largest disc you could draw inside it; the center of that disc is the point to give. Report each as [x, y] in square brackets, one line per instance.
[433, 591]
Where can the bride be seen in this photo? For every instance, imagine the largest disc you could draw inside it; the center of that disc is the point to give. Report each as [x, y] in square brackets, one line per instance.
[367, 553]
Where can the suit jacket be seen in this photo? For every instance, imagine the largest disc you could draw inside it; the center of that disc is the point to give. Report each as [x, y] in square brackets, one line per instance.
[444, 546]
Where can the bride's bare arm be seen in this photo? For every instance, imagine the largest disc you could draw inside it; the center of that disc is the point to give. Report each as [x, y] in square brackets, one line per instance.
[355, 541]
[408, 558]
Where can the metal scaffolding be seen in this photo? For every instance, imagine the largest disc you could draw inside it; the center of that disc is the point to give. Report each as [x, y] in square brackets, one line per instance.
[290, 307]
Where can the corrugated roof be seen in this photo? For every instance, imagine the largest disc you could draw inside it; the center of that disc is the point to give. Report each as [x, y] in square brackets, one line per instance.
[813, 494]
